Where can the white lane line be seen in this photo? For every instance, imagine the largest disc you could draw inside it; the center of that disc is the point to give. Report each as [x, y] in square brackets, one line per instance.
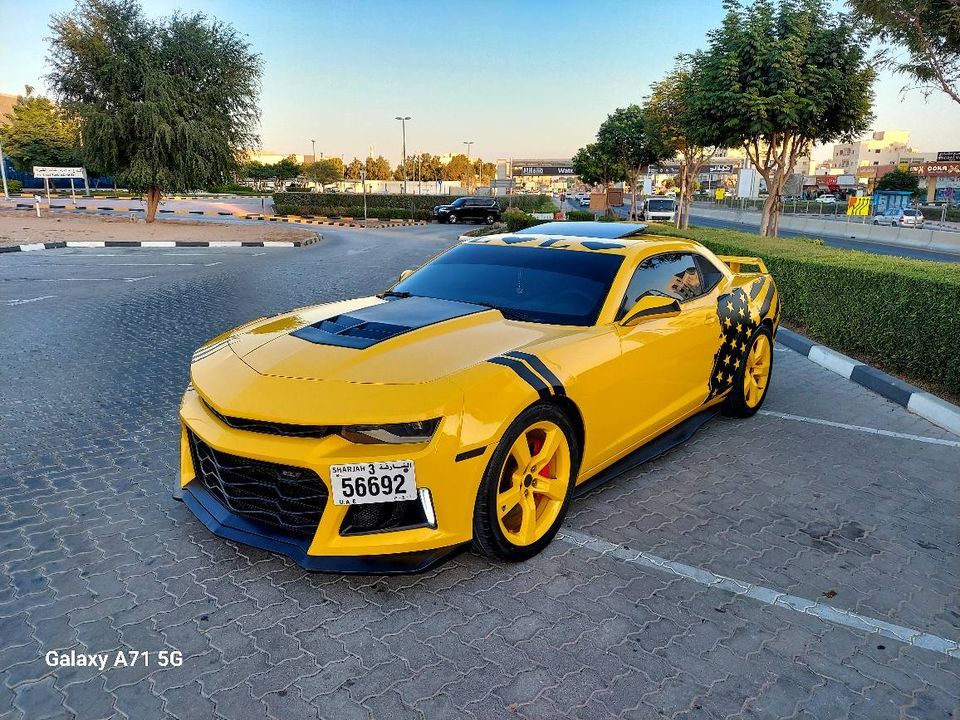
[125, 279]
[838, 616]
[212, 264]
[861, 428]
[28, 300]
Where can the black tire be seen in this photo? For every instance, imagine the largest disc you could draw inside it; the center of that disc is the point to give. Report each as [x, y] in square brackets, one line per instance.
[452, 218]
[489, 219]
[876, 222]
[487, 534]
[735, 404]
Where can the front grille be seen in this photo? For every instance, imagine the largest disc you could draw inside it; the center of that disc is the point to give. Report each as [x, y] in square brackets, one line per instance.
[285, 497]
[273, 428]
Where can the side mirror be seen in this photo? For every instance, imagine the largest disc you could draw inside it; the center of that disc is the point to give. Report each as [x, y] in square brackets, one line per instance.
[405, 274]
[650, 307]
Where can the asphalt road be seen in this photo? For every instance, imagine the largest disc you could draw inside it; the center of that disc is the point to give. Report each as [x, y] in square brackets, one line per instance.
[875, 248]
[825, 528]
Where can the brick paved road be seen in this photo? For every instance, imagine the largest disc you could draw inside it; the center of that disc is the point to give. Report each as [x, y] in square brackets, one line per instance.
[97, 557]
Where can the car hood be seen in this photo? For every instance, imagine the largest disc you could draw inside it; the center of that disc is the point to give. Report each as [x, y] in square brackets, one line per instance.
[375, 341]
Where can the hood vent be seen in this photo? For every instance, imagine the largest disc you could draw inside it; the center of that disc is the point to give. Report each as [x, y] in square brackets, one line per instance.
[373, 324]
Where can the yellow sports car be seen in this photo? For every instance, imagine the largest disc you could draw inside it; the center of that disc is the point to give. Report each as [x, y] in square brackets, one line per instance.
[472, 399]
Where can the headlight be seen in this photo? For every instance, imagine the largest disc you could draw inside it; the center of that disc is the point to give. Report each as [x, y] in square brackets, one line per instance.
[392, 433]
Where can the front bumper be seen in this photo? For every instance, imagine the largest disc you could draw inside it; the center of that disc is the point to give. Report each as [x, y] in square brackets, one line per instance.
[453, 487]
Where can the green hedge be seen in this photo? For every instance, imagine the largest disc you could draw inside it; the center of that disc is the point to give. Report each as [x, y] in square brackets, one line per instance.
[518, 220]
[14, 186]
[580, 216]
[325, 203]
[897, 314]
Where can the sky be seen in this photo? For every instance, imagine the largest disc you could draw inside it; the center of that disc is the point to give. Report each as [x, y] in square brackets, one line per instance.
[520, 78]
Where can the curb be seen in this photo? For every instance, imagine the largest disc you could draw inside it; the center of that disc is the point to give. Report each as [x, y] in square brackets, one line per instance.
[930, 407]
[33, 247]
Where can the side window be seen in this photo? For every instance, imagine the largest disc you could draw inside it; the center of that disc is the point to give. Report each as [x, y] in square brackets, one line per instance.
[672, 274]
[710, 275]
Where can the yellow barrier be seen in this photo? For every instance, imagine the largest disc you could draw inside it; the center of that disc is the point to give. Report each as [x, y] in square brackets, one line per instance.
[858, 205]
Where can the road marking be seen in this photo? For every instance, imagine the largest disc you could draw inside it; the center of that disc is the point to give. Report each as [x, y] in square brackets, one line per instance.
[838, 616]
[861, 428]
[218, 262]
[124, 279]
[28, 300]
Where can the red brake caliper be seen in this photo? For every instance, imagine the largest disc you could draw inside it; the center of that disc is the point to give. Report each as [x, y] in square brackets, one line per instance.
[535, 446]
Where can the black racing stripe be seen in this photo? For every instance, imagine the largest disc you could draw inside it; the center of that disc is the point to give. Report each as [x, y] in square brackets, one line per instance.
[538, 365]
[525, 373]
[654, 311]
[467, 454]
[765, 308]
[756, 288]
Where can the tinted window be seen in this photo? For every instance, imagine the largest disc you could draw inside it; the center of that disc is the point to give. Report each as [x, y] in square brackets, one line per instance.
[459, 202]
[661, 204]
[562, 287]
[672, 274]
[710, 275]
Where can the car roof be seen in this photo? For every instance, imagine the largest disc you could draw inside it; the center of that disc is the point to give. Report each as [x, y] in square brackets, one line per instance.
[602, 230]
[630, 246]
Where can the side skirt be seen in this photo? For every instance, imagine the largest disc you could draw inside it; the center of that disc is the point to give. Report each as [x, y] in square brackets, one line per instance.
[656, 447]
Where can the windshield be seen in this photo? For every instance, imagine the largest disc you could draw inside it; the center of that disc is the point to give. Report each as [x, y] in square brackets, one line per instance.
[660, 204]
[559, 287]
[458, 202]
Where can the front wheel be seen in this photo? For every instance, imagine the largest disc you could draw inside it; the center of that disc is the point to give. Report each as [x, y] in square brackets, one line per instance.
[752, 378]
[452, 219]
[527, 485]
[489, 219]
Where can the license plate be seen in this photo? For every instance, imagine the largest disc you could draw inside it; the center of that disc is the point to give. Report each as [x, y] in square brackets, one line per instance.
[361, 483]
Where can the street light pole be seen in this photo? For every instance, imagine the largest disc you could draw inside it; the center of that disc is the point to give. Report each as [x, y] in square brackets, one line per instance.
[403, 162]
[468, 143]
[313, 145]
[3, 172]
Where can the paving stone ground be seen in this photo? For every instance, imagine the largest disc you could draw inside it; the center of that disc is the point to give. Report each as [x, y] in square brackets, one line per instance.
[97, 557]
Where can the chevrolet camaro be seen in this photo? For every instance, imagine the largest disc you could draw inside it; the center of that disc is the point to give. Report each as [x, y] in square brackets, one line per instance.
[471, 400]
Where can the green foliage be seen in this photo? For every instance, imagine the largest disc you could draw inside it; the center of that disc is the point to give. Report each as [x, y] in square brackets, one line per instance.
[14, 186]
[900, 315]
[283, 170]
[325, 203]
[580, 215]
[378, 168]
[597, 166]
[930, 32]
[518, 220]
[623, 137]
[165, 105]
[899, 180]
[39, 133]
[459, 168]
[324, 172]
[352, 171]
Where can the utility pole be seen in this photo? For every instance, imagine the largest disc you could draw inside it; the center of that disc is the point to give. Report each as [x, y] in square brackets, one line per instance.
[403, 162]
[3, 171]
[468, 143]
[363, 180]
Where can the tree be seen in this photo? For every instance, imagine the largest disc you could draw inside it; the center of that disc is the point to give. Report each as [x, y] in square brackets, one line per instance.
[484, 171]
[283, 170]
[595, 166]
[429, 167]
[777, 77]
[352, 171]
[623, 137]
[930, 32]
[256, 171]
[459, 169]
[378, 169]
[165, 105]
[674, 130]
[324, 172]
[899, 180]
[38, 133]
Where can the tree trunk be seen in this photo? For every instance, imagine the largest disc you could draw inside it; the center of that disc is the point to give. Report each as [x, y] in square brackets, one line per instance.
[153, 201]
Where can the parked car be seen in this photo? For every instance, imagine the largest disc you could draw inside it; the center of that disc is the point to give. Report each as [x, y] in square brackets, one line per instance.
[584, 200]
[827, 199]
[476, 209]
[895, 217]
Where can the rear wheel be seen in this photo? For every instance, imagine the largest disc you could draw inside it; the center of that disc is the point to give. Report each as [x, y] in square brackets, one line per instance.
[527, 485]
[752, 378]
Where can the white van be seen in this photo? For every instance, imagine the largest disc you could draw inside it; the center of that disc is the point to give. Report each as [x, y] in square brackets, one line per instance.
[659, 207]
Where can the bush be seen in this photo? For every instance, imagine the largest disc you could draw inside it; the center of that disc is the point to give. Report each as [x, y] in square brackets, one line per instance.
[580, 216]
[309, 203]
[235, 189]
[14, 186]
[354, 211]
[897, 314]
[518, 220]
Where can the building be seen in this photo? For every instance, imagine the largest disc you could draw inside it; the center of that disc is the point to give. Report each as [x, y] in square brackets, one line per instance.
[6, 106]
[885, 147]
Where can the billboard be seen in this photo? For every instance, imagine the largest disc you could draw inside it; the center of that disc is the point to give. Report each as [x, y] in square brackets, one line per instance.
[948, 156]
[544, 170]
[58, 172]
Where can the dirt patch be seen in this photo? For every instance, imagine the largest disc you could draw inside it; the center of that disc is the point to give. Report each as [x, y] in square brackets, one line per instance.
[20, 228]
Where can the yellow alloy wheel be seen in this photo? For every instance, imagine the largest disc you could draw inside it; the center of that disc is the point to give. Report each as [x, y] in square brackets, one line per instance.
[757, 373]
[533, 483]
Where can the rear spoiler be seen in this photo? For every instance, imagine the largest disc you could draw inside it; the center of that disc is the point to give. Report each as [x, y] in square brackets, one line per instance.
[735, 263]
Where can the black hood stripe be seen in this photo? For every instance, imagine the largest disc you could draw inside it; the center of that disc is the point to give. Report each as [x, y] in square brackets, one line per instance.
[768, 298]
[538, 365]
[525, 373]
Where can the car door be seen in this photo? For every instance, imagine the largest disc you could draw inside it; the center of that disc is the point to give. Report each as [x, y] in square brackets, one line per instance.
[665, 363]
[470, 209]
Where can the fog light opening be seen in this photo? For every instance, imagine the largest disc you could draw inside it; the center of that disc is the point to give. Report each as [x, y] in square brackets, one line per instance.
[426, 500]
